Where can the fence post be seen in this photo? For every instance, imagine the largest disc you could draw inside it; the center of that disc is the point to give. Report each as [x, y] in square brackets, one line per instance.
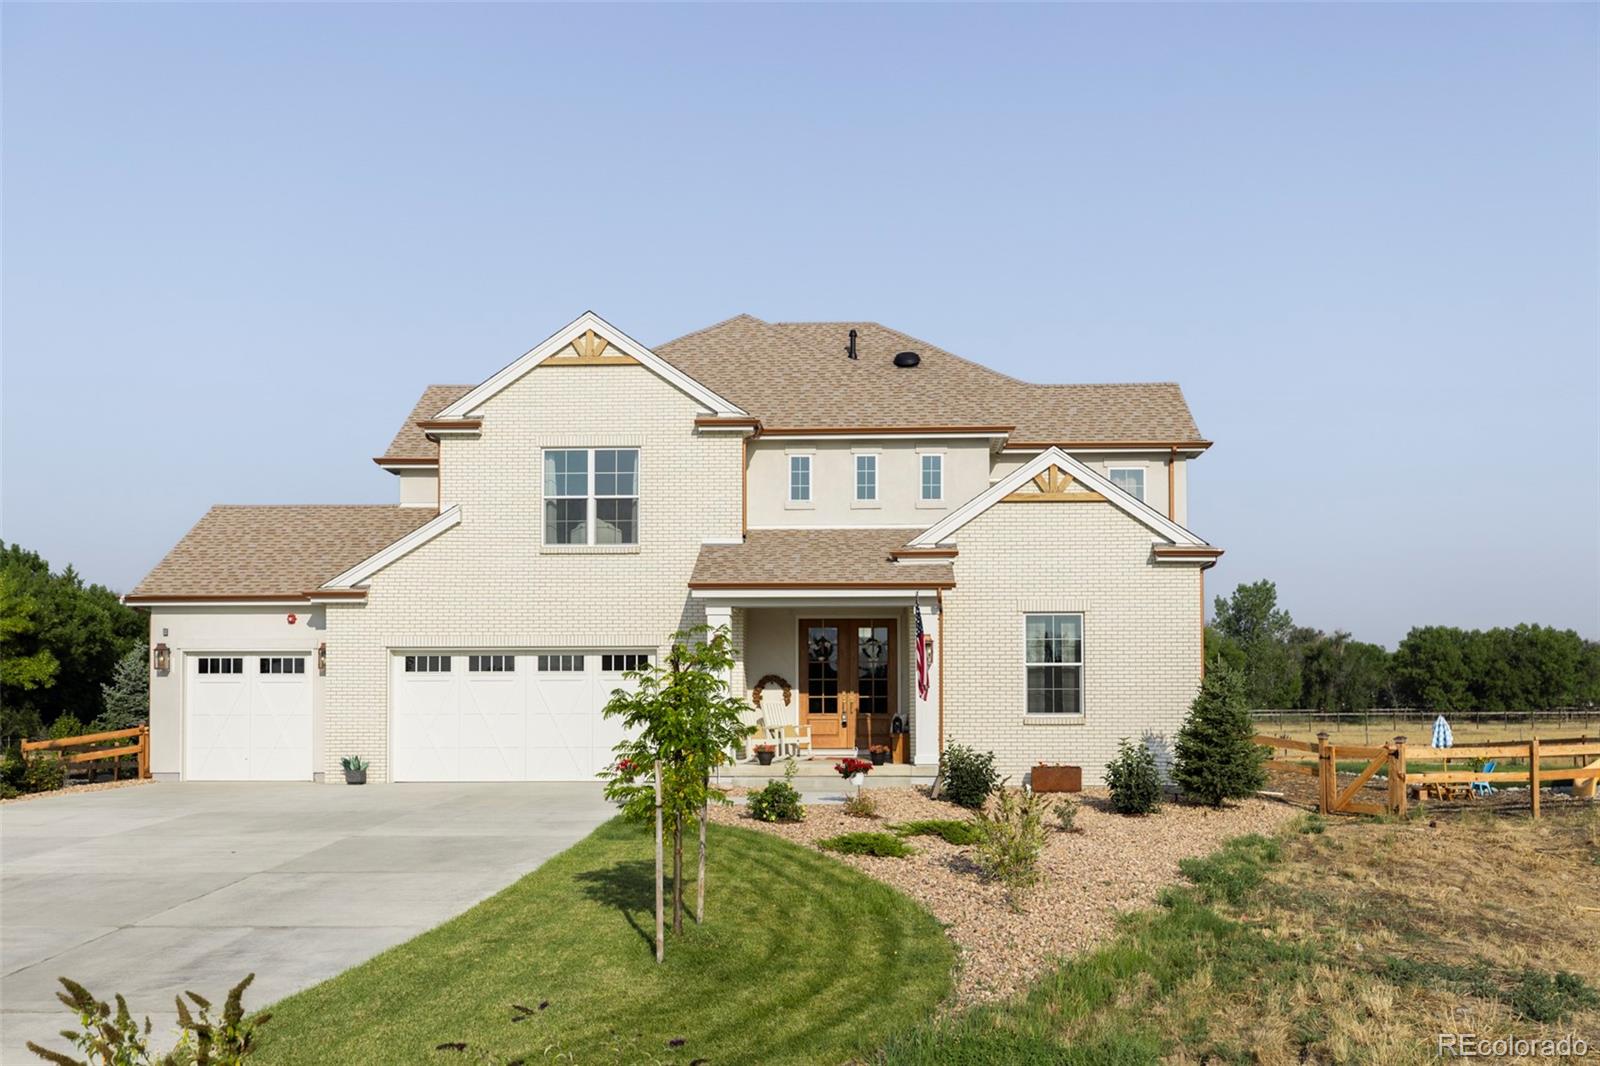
[1533, 774]
[1397, 779]
[1324, 773]
[144, 751]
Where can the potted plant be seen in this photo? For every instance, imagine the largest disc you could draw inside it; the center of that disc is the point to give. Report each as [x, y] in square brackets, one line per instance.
[764, 753]
[355, 769]
[853, 770]
[879, 753]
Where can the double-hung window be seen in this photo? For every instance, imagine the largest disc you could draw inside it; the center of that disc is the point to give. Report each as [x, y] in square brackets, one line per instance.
[1053, 657]
[932, 488]
[799, 479]
[866, 478]
[591, 496]
[1129, 479]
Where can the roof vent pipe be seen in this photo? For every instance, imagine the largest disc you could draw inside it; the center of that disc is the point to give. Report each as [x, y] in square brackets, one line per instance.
[850, 349]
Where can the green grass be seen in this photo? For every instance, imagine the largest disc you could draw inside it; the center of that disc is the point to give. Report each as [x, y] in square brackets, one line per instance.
[883, 845]
[950, 830]
[801, 960]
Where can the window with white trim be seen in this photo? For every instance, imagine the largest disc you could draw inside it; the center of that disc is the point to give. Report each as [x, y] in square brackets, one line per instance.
[1053, 659]
[560, 664]
[799, 479]
[932, 488]
[491, 664]
[278, 665]
[427, 664]
[866, 478]
[1129, 479]
[621, 662]
[214, 665]
[580, 509]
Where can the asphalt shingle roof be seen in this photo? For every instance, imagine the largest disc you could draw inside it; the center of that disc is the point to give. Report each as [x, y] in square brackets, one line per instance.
[276, 550]
[816, 557]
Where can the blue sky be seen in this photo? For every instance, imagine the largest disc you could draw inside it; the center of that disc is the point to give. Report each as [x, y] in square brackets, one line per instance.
[239, 240]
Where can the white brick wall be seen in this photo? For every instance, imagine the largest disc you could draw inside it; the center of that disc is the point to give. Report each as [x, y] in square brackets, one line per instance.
[487, 583]
[1141, 627]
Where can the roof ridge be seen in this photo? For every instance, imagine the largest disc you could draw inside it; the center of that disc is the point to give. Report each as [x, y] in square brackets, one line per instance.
[343, 506]
[708, 329]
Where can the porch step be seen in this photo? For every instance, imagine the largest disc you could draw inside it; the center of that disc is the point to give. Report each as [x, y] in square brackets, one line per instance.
[818, 773]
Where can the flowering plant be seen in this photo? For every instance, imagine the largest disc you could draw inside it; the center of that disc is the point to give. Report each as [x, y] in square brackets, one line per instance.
[624, 765]
[851, 767]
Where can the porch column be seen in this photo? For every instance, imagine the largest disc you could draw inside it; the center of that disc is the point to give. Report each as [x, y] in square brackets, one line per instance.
[720, 616]
[925, 713]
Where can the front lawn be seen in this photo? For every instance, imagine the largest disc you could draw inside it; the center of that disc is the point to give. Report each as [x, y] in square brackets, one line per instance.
[801, 960]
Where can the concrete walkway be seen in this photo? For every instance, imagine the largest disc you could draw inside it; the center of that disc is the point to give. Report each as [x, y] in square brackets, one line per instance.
[158, 888]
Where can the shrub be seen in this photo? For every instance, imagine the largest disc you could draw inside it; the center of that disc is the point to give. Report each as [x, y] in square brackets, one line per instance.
[969, 778]
[67, 725]
[117, 1037]
[951, 830]
[12, 767]
[1066, 813]
[861, 805]
[1132, 777]
[1010, 840]
[779, 801]
[883, 845]
[1215, 758]
[45, 772]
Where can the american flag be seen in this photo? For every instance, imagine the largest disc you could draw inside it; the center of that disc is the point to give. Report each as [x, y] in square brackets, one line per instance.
[922, 655]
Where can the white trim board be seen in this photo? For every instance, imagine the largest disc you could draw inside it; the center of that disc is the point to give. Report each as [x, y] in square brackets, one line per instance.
[364, 570]
[942, 531]
[513, 372]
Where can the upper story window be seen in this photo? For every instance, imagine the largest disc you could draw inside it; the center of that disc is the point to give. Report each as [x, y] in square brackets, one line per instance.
[1129, 479]
[932, 478]
[799, 479]
[591, 496]
[1053, 657]
[866, 478]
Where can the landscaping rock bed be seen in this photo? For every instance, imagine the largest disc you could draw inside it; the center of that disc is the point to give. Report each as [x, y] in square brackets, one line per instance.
[1114, 864]
[98, 786]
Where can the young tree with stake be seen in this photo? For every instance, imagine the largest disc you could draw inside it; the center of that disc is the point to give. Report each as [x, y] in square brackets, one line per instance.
[684, 722]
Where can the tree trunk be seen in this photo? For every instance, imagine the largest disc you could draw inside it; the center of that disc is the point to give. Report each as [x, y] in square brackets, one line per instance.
[661, 936]
[677, 872]
[700, 881]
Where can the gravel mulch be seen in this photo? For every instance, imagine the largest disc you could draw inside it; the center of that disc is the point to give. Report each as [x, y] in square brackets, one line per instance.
[98, 786]
[1115, 864]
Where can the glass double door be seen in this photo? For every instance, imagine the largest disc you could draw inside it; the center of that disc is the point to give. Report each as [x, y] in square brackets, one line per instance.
[847, 689]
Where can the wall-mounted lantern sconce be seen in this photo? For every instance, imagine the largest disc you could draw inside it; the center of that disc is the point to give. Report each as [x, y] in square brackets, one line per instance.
[322, 657]
[163, 658]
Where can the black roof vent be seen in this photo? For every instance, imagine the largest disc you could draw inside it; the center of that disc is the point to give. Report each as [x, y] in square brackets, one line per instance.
[907, 359]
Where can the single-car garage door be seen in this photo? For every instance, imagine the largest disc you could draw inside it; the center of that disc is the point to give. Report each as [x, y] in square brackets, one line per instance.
[504, 716]
[247, 718]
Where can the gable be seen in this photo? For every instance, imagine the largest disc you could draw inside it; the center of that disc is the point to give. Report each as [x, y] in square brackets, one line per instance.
[1054, 477]
[589, 341]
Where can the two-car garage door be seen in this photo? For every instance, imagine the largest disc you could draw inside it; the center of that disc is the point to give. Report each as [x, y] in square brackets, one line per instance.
[502, 716]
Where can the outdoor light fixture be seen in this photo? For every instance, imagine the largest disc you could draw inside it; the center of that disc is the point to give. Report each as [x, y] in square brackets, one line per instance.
[322, 657]
[163, 658]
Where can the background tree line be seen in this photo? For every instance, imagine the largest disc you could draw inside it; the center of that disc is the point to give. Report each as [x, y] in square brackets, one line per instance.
[70, 653]
[1435, 668]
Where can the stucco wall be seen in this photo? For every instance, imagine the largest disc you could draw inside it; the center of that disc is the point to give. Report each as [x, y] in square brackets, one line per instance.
[489, 583]
[418, 488]
[191, 631]
[833, 481]
[1141, 632]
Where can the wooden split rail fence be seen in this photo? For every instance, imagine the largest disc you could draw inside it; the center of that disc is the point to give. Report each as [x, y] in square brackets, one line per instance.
[140, 735]
[1392, 759]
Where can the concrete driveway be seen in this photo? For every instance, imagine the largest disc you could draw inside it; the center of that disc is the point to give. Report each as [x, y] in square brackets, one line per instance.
[158, 888]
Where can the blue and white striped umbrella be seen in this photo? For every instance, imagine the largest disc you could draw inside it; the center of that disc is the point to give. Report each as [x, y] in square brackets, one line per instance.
[1442, 737]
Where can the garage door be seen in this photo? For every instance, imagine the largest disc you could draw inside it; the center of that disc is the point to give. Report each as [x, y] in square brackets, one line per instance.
[247, 718]
[503, 716]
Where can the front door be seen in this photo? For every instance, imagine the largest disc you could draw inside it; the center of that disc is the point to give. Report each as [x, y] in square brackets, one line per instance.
[847, 695]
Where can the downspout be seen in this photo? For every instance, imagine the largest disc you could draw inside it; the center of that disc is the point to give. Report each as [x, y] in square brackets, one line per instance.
[744, 487]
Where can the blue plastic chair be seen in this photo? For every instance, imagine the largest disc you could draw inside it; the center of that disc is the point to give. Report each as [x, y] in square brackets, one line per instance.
[1483, 788]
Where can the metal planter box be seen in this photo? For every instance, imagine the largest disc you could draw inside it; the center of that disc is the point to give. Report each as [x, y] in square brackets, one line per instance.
[1046, 778]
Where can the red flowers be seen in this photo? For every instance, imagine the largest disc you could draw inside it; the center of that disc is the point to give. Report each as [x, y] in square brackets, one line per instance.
[851, 767]
[624, 766]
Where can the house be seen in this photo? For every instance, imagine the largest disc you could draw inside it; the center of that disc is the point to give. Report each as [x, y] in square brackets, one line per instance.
[818, 488]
